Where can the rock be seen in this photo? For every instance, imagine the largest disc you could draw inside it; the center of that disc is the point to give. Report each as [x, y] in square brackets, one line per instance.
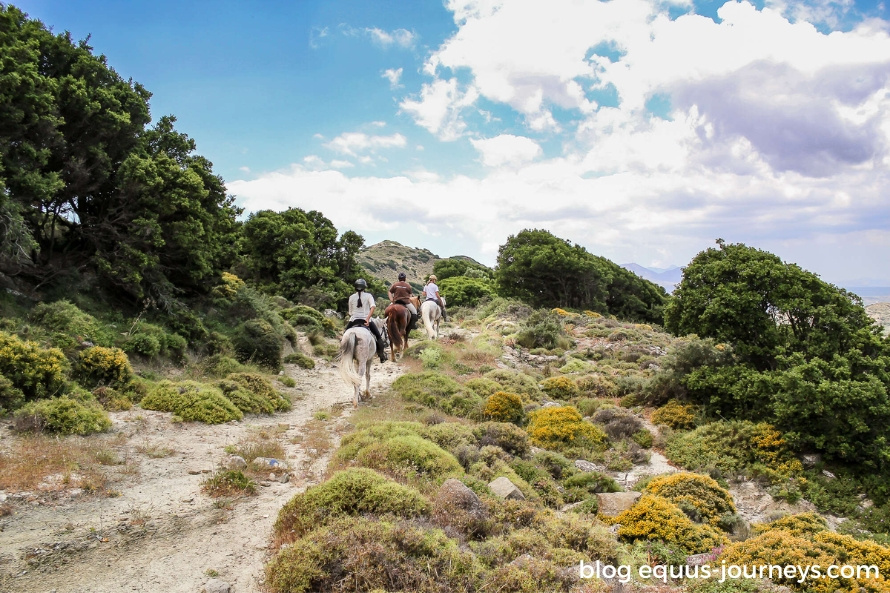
[586, 466]
[457, 507]
[612, 504]
[698, 559]
[285, 478]
[235, 462]
[550, 405]
[828, 474]
[217, 586]
[810, 459]
[332, 313]
[506, 489]
[568, 507]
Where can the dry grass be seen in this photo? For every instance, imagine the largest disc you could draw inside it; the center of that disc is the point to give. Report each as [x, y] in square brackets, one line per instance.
[262, 443]
[52, 464]
[155, 450]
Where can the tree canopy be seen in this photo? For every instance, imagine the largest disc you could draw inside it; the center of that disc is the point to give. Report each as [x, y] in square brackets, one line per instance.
[88, 185]
[806, 355]
[546, 271]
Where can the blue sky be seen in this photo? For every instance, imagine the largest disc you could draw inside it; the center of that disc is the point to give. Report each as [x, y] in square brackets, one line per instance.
[643, 130]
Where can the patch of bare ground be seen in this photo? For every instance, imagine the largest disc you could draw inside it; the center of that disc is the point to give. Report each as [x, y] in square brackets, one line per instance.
[131, 510]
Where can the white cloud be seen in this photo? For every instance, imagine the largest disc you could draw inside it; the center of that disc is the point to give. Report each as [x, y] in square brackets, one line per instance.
[400, 37]
[352, 143]
[439, 106]
[393, 75]
[507, 149]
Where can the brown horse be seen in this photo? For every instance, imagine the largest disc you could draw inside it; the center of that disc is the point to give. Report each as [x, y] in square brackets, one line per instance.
[397, 318]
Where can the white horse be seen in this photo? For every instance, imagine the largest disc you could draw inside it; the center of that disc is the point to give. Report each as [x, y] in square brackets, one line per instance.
[358, 347]
[431, 314]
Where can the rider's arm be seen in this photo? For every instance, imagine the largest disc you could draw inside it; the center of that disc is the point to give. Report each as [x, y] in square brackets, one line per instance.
[370, 312]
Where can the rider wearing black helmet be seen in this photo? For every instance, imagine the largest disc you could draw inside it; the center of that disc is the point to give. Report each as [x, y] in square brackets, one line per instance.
[401, 292]
[361, 307]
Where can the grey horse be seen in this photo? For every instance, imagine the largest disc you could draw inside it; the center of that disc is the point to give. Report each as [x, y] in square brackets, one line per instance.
[357, 351]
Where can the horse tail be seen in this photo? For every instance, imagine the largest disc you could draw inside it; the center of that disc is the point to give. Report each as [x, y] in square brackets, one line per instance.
[392, 327]
[348, 346]
[425, 312]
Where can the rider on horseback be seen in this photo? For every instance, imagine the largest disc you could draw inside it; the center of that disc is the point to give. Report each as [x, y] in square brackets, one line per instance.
[401, 292]
[431, 293]
[361, 307]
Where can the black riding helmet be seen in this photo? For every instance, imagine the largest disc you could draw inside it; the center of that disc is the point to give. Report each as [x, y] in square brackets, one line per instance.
[360, 284]
[402, 276]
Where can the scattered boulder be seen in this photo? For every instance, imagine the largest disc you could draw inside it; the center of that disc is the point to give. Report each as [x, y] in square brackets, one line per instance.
[459, 508]
[810, 460]
[586, 466]
[235, 462]
[506, 489]
[217, 586]
[612, 504]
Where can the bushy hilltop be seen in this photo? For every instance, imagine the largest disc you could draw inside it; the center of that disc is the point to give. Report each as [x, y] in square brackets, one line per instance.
[385, 260]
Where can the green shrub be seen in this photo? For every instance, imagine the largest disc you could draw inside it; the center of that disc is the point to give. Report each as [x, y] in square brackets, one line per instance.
[733, 448]
[483, 387]
[655, 518]
[596, 386]
[539, 479]
[228, 483]
[151, 340]
[300, 359]
[69, 326]
[262, 389]
[30, 370]
[543, 329]
[800, 525]
[556, 465]
[675, 415]
[643, 438]
[192, 401]
[112, 400]
[287, 381]
[256, 340]
[357, 554]
[574, 366]
[561, 388]
[220, 365]
[562, 428]
[11, 397]
[426, 388]
[516, 382]
[353, 492]
[581, 485]
[62, 415]
[700, 497]
[409, 457]
[103, 366]
[504, 407]
[508, 437]
[244, 399]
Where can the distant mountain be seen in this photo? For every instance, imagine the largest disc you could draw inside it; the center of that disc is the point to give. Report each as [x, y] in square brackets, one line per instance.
[668, 278]
[386, 259]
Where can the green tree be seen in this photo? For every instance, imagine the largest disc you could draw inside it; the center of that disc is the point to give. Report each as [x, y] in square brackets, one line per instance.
[546, 271]
[462, 291]
[455, 266]
[299, 255]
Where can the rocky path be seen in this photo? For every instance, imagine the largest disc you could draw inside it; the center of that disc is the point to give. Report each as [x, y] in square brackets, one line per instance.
[161, 533]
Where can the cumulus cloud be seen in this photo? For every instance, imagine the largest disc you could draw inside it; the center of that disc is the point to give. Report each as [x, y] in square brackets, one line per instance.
[399, 37]
[352, 143]
[393, 75]
[439, 107]
[507, 149]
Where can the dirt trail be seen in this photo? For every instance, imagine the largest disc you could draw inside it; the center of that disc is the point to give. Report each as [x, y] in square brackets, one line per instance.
[162, 534]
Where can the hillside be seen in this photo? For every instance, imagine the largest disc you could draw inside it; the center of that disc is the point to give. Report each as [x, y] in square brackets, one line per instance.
[386, 259]
[880, 312]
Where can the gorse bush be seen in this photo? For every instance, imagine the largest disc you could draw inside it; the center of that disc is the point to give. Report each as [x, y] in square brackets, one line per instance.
[62, 415]
[103, 366]
[353, 492]
[32, 372]
[262, 389]
[700, 497]
[543, 330]
[300, 359]
[257, 341]
[192, 401]
[504, 407]
[675, 415]
[562, 428]
[152, 340]
[801, 525]
[655, 518]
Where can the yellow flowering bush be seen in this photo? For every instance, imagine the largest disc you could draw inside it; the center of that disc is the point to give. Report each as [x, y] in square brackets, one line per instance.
[229, 287]
[675, 415]
[103, 366]
[592, 314]
[559, 387]
[800, 525]
[656, 519]
[31, 372]
[562, 312]
[696, 494]
[825, 548]
[504, 407]
[561, 428]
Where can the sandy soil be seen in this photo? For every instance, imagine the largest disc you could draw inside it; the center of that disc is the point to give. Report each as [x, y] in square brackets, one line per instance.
[162, 534]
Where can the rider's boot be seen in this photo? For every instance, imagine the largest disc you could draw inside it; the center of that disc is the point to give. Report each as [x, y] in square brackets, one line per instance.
[412, 325]
[444, 315]
[381, 351]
